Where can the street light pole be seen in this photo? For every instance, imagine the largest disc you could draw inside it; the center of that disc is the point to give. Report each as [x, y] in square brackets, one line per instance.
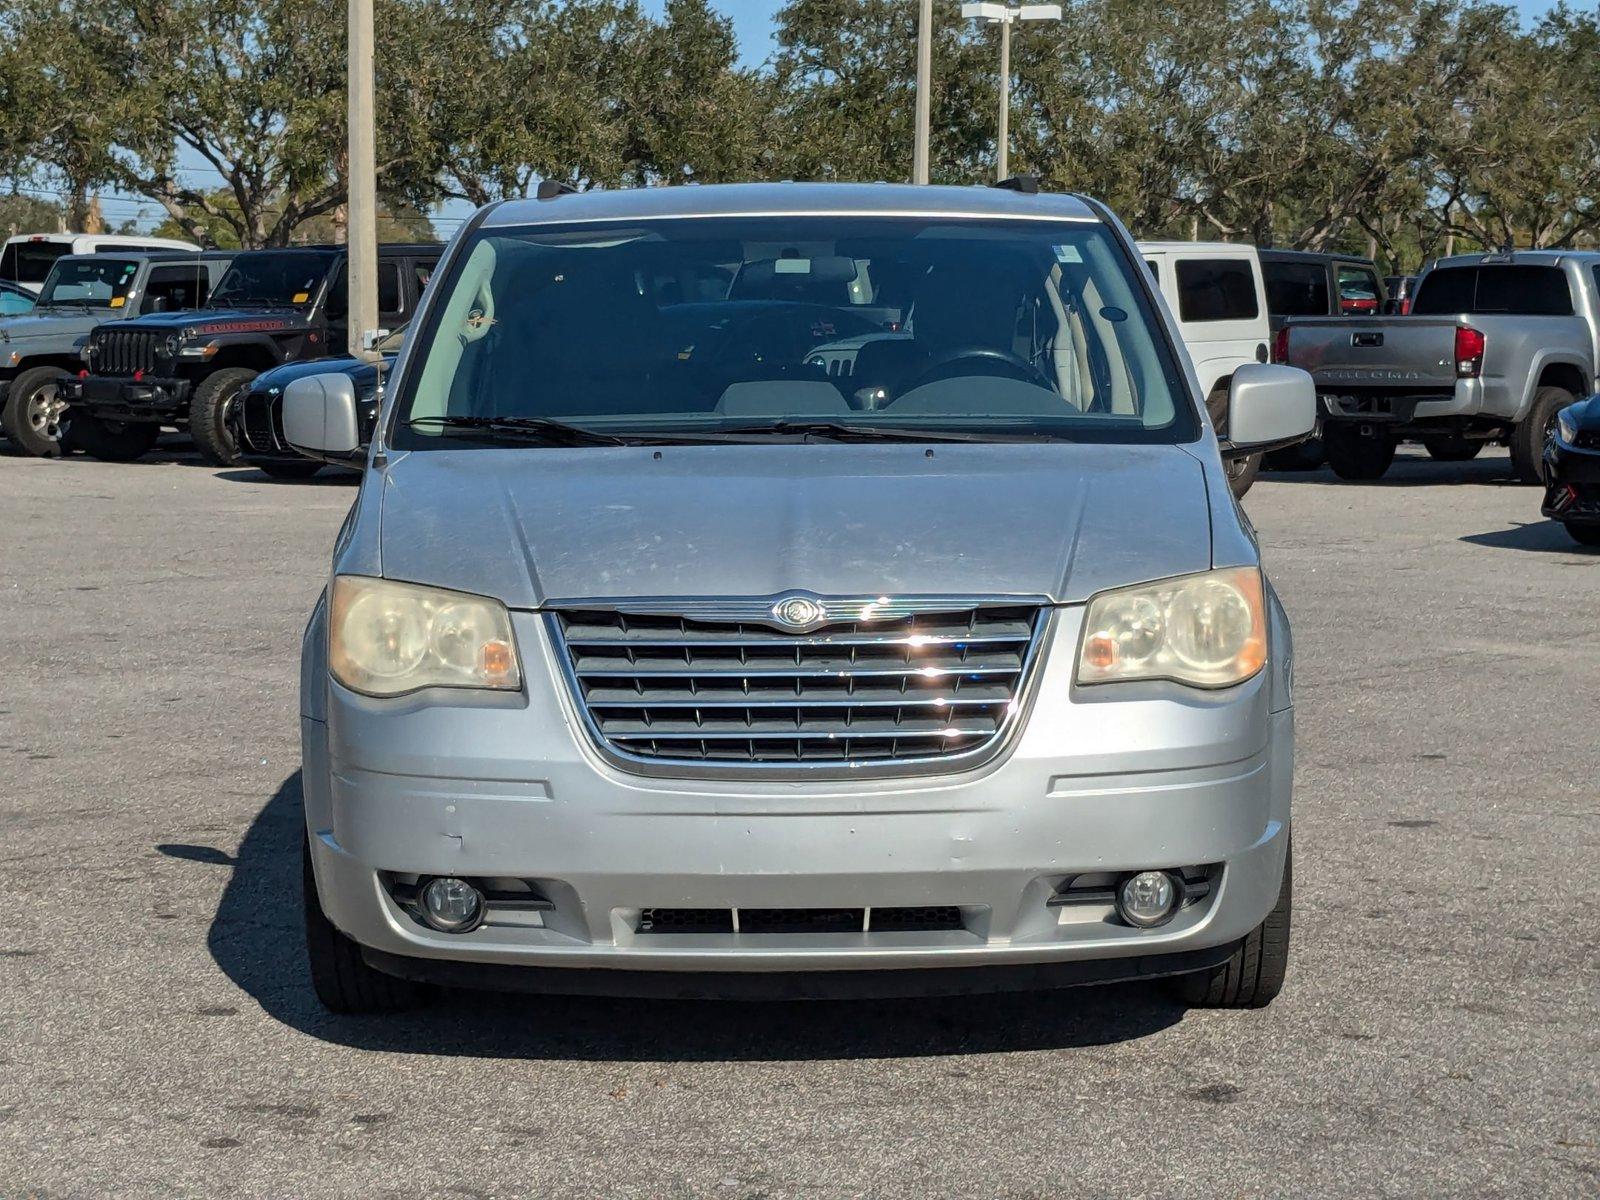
[1003, 14]
[361, 268]
[919, 153]
[1003, 139]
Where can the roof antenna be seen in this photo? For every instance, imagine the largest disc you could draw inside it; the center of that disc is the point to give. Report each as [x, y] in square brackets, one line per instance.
[1028, 185]
[549, 189]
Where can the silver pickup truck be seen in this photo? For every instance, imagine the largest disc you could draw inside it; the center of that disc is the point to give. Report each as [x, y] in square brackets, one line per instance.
[1494, 347]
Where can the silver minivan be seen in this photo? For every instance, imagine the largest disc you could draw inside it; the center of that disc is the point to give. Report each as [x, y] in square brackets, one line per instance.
[796, 590]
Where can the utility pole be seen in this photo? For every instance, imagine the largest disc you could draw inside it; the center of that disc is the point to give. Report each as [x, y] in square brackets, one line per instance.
[919, 154]
[1003, 153]
[362, 267]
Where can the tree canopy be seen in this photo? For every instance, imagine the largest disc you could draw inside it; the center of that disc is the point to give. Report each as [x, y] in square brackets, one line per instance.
[1389, 125]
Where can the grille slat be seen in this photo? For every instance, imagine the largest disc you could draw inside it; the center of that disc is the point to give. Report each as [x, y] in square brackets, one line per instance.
[928, 685]
[123, 351]
[660, 666]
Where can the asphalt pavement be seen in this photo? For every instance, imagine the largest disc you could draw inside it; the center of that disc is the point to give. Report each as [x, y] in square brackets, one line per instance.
[1438, 1034]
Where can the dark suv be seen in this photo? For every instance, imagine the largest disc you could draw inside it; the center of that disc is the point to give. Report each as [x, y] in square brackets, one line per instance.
[186, 369]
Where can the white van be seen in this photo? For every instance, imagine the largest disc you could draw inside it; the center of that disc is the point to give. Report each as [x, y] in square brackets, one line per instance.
[28, 257]
[1216, 291]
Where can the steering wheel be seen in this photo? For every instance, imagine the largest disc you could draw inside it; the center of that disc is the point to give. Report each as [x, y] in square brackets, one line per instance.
[1016, 366]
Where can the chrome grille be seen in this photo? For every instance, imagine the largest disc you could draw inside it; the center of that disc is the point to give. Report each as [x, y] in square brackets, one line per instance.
[124, 351]
[716, 689]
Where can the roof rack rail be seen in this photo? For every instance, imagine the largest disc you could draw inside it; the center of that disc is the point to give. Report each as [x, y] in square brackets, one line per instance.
[1028, 185]
[549, 189]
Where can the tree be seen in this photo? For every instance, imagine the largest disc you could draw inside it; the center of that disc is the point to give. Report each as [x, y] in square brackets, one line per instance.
[845, 73]
[398, 221]
[687, 111]
[255, 89]
[60, 106]
[28, 214]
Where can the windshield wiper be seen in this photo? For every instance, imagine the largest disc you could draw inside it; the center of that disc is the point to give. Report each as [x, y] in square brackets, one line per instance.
[545, 430]
[846, 431]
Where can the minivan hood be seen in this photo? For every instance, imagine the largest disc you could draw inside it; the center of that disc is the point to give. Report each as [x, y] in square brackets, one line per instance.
[532, 526]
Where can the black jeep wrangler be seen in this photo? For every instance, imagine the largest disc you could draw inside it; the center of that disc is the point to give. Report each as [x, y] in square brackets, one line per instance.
[186, 369]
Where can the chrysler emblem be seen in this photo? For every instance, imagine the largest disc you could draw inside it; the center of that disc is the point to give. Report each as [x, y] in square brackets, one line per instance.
[798, 612]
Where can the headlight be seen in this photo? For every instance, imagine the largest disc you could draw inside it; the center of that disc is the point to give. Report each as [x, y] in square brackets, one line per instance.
[174, 343]
[1567, 424]
[1207, 630]
[387, 638]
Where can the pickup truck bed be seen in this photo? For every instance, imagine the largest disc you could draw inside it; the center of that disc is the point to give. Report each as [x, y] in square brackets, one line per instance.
[1525, 343]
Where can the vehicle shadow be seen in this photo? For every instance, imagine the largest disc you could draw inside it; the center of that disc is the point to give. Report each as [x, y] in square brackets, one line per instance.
[1545, 537]
[1415, 470]
[255, 938]
[324, 478]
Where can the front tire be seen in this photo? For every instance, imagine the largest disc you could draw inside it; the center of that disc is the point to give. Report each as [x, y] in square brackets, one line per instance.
[1528, 438]
[1241, 472]
[340, 976]
[114, 441]
[1254, 976]
[1583, 533]
[35, 417]
[1357, 457]
[208, 414]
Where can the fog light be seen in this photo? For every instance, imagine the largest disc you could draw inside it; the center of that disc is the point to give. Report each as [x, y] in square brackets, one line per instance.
[451, 905]
[1147, 899]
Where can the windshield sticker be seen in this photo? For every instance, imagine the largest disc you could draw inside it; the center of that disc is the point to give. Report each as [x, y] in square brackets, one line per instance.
[301, 297]
[117, 301]
[1067, 254]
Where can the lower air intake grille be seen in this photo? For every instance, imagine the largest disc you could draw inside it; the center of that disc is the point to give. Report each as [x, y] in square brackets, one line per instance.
[930, 917]
[889, 682]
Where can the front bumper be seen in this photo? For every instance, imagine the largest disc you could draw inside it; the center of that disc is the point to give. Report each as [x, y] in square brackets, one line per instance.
[115, 398]
[254, 423]
[1572, 482]
[1153, 776]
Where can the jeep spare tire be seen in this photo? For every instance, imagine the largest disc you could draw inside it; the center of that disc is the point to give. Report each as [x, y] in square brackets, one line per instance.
[35, 416]
[208, 414]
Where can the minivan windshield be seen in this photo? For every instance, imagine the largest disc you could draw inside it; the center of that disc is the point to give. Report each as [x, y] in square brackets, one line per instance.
[89, 282]
[837, 328]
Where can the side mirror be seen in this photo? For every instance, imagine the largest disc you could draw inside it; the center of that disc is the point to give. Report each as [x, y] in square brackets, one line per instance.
[1269, 407]
[319, 416]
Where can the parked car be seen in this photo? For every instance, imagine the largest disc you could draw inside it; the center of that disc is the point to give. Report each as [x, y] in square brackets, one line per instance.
[1218, 295]
[15, 300]
[1305, 283]
[639, 674]
[1495, 346]
[257, 419]
[26, 258]
[40, 351]
[1400, 289]
[185, 370]
[1572, 471]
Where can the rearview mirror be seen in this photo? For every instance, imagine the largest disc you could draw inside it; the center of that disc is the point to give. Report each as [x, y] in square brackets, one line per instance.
[319, 416]
[1269, 407]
